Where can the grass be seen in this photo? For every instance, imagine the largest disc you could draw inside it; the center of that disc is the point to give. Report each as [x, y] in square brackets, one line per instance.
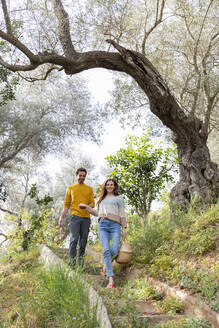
[181, 249]
[140, 290]
[171, 305]
[185, 323]
[121, 307]
[121, 302]
[31, 297]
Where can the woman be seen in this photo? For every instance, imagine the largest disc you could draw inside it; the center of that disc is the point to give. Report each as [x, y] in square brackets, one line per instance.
[111, 218]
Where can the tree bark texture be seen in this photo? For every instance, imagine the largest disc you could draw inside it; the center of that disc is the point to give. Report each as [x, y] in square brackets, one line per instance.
[199, 177]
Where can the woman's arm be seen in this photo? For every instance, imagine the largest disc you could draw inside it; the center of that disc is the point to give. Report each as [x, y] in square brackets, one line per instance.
[124, 233]
[88, 208]
[122, 216]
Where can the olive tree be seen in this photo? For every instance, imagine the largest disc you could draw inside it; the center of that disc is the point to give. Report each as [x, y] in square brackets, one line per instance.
[41, 117]
[62, 35]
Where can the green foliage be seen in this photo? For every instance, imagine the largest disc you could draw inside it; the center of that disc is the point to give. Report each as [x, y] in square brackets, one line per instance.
[215, 303]
[64, 300]
[8, 86]
[185, 323]
[199, 244]
[140, 289]
[197, 231]
[171, 305]
[33, 228]
[31, 297]
[174, 250]
[162, 265]
[147, 240]
[199, 281]
[33, 193]
[142, 170]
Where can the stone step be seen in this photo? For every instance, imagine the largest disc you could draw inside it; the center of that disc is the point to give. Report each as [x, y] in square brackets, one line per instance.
[155, 319]
[147, 307]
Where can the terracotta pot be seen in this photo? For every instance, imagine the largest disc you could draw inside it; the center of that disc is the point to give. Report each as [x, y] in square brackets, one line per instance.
[125, 253]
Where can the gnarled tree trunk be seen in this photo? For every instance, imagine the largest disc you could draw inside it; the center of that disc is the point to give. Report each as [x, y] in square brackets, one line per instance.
[199, 177]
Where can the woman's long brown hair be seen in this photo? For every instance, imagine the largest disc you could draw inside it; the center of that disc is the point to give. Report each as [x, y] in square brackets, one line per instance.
[104, 192]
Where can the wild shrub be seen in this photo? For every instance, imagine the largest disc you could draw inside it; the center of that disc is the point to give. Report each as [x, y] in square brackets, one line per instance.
[146, 240]
[196, 235]
[173, 251]
[162, 266]
[35, 229]
[171, 305]
[198, 243]
[142, 290]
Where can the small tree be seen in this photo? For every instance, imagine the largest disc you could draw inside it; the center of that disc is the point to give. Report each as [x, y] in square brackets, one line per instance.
[34, 227]
[142, 170]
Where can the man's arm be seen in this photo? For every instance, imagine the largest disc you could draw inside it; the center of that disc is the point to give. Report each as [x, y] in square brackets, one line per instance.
[63, 214]
[88, 208]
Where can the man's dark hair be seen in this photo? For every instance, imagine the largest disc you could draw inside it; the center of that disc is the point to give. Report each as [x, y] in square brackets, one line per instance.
[81, 169]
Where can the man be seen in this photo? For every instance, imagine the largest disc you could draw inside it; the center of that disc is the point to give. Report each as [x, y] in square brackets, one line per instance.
[80, 219]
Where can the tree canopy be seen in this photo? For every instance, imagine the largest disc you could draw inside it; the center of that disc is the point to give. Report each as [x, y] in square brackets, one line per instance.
[42, 117]
[178, 37]
[142, 170]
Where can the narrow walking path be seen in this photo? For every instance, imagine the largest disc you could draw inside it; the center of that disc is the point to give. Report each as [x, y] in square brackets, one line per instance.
[133, 303]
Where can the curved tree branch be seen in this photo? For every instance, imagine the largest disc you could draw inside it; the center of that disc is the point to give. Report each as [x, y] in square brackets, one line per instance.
[17, 68]
[5, 236]
[32, 79]
[158, 20]
[7, 17]
[8, 211]
[19, 45]
[64, 30]
[162, 103]
[199, 37]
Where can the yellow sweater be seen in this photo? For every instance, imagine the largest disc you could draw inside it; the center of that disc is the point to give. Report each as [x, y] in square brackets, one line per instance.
[76, 194]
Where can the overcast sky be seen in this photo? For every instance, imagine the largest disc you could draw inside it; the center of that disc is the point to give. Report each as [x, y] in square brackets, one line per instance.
[100, 84]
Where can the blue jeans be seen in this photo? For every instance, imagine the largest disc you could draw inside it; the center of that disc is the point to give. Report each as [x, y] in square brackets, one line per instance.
[109, 231]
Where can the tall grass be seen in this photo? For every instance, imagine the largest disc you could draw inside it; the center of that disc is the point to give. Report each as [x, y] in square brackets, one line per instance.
[174, 248]
[62, 301]
[44, 299]
[192, 233]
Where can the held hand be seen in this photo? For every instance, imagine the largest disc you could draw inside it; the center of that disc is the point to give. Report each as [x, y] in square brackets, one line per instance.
[124, 233]
[82, 206]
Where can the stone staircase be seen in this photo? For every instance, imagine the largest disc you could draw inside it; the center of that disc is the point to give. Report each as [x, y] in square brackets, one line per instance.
[148, 313]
